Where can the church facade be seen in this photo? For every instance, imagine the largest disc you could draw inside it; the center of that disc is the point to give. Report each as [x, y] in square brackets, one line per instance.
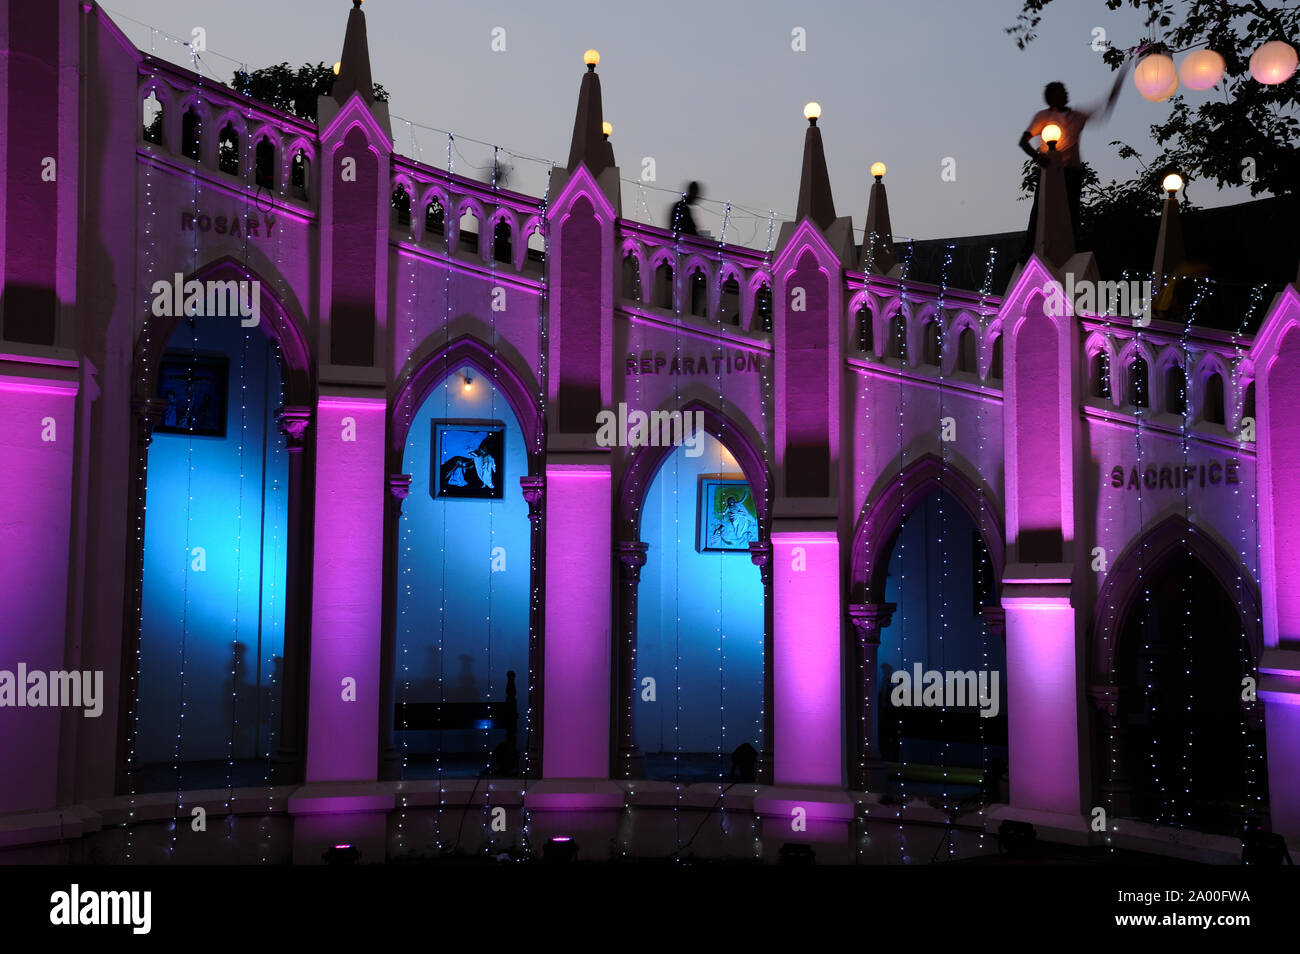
[370, 491]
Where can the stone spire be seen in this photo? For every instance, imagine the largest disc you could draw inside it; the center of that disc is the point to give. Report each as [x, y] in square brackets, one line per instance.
[589, 144]
[1170, 256]
[878, 237]
[815, 200]
[354, 64]
[1054, 237]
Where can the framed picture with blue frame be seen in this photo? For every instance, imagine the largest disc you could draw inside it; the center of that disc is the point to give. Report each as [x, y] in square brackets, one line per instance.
[727, 520]
[468, 460]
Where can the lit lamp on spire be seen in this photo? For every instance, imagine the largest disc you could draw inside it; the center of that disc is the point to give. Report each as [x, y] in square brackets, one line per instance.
[878, 170]
[606, 128]
[591, 58]
[1051, 135]
[337, 67]
[812, 112]
[1172, 183]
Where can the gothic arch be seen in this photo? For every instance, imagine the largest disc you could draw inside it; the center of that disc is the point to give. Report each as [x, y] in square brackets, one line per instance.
[1147, 556]
[644, 464]
[277, 321]
[429, 370]
[883, 517]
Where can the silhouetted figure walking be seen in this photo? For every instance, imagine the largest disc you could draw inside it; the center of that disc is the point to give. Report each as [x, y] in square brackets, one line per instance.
[682, 222]
[1071, 122]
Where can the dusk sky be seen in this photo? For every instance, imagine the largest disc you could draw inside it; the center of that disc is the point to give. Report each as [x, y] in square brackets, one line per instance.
[714, 91]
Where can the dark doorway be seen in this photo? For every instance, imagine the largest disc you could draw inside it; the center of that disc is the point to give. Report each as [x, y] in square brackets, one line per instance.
[1194, 756]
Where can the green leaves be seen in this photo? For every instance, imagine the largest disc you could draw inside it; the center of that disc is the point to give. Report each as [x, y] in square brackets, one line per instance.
[292, 91]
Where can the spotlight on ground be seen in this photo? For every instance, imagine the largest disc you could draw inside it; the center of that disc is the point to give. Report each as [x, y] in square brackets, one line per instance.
[341, 855]
[560, 849]
[1264, 848]
[1017, 839]
[793, 853]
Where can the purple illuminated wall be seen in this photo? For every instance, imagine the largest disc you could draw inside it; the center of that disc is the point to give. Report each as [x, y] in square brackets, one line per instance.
[37, 428]
[578, 654]
[1042, 686]
[347, 592]
[807, 685]
[1038, 459]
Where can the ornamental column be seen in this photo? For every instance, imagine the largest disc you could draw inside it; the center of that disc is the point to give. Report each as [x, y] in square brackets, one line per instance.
[631, 554]
[286, 766]
[534, 490]
[1116, 792]
[146, 414]
[870, 774]
[760, 554]
[399, 488]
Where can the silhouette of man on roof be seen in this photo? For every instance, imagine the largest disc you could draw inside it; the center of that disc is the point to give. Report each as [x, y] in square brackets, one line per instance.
[681, 221]
[1071, 122]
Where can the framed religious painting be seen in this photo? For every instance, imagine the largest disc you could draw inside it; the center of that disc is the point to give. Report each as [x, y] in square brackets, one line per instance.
[193, 388]
[727, 519]
[468, 460]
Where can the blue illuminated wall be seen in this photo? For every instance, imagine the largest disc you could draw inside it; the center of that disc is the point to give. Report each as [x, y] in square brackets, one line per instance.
[700, 622]
[212, 631]
[463, 576]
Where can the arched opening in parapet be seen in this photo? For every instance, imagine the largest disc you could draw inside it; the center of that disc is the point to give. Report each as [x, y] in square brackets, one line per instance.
[152, 119]
[401, 203]
[941, 678]
[300, 174]
[967, 363]
[228, 159]
[700, 616]
[467, 235]
[461, 640]
[898, 338]
[663, 297]
[698, 285]
[862, 329]
[729, 301]
[1212, 409]
[435, 218]
[1183, 748]
[1137, 383]
[1099, 374]
[1175, 390]
[763, 309]
[216, 546]
[502, 244]
[264, 163]
[191, 134]
[932, 343]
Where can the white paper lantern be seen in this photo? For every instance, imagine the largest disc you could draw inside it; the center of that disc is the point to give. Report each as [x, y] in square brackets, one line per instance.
[1201, 69]
[1273, 63]
[1155, 77]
